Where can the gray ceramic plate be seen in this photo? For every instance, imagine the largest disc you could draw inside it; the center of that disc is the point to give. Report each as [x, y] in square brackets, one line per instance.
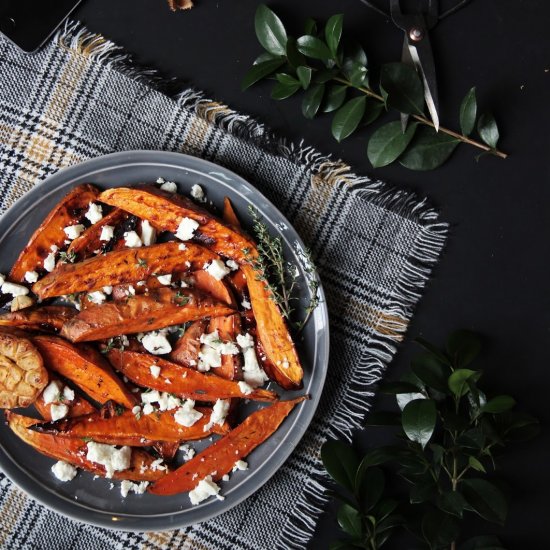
[91, 500]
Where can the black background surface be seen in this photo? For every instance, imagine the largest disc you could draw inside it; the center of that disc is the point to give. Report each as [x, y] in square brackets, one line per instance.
[493, 276]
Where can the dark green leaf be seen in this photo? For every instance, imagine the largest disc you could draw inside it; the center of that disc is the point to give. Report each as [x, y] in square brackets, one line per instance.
[438, 452]
[371, 488]
[463, 346]
[430, 370]
[452, 502]
[485, 499]
[349, 520]
[287, 79]
[304, 75]
[472, 439]
[428, 150]
[312, 100]
[357, 53]
[439, 529]
[355, 72]
[373, 109]
[336, 95]
[468, 112]
[313, 47]
[434, 350]
[388, 142]
[270, 31]
[333, 32]
[310, 26]
[266, 56]
[457, 381]
[383, 418]
[419, 417]
[348, 117]
[402, 88]
[324, 75]
[285, 87]
[498, 404]
[488, 131]
[484, 542]
[488, 427]
[385, 508]
[423, 490]
[517, 426]
[295, 58]
[476, 464]
[389, 523]
[378, 456]
[399, 387]
[341, 462]
[261, 70]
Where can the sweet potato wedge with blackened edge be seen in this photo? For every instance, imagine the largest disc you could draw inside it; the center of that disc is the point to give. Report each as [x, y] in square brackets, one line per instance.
[85, 367]
[167, 211]
[228, 327]
[69, 211]
[74, 451]
[127, 265]
[180, 381]
[157, 309]
[220, 457]
[43, 318]
[186, 350]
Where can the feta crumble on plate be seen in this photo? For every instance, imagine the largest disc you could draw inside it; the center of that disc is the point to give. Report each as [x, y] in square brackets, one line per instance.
[205, 488]
[64, 471]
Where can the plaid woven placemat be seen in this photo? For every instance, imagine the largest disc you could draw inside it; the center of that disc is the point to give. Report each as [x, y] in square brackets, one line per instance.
[80, 97]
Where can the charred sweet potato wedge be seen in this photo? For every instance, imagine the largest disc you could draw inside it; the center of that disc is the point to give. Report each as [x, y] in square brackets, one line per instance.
[157, 309]
[217, 289]
[228, 327]
[167, 211]
[128, 428]
[69, 211]
[186, 350]
[229, 216]
[74, 451]
[181, 381]
[220, 457]
[127, 265]
[79, 406]
[86, 368]
[43, 318]
[273, 334]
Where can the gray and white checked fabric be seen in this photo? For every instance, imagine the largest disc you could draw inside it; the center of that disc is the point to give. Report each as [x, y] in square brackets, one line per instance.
[375, 248]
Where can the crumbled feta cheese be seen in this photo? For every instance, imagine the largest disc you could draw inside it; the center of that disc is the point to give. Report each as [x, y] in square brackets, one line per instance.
[95, 212]
[209, 358]
[136, 409]
[156, 343]
[155, 371]
[132, 240]
[197, 193]
[131, 291]
[150, 396]
[108, 290]
[232, 265]
[124, 340]
[186, 415]
[205, 488]
[148, 233]
[157, 465]
[246, 304]
[245, 388]
[148, 408]
[58, 412]
[97, 297]
[217, 269]
[54, 248]
[64, 471]
[182, 247]
[245, 340]
[13, 289]
[169, 187]
[126, 486]
[183, 284]
[30, 277]
[167, 401]
[114, 460]
[73, 231]
[165, 279]
[2, 279]
[68, 394]
[107, 233]
[160, 180]
[51, 392]
[49, 262]
[186, 229]
[141, 283]
[225, 477]
[219, 412]
[213, 340]
[188, 452]
[240, 465]
[285, 364]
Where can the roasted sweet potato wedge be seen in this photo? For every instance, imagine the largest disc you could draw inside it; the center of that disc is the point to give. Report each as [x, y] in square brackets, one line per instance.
[43, 318]
[220, 457]
[128, 428]
[181, 381]
[68, 212]
[77, 407]
[167, 211]
[217, 289]
[157, 309]
[273, 334]
[186, 350]
[229, 216]
[228, 327]
[74, 451]
[85, 367]
[127, 265]
[89, 241]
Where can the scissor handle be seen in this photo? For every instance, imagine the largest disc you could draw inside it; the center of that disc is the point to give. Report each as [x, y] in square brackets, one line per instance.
[406, 21]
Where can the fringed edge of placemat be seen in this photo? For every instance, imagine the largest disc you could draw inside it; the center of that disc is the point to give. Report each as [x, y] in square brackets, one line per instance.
[324, 170]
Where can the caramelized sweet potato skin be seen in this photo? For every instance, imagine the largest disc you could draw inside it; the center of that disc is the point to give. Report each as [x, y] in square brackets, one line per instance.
[69, 211]
[228, 327]
[181, 381]
[85, 367]
[157, 309]
[220, 457]
[273, 334]
[167, 211]
[229, 216]
[127, 265]
[74, 451]
[127, 428]
[218, 289]
[77, 407]
[43, 318]
[186, 350]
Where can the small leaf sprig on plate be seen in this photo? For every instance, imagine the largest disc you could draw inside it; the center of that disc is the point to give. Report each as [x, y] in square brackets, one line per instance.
[335, 79]
[440, 468]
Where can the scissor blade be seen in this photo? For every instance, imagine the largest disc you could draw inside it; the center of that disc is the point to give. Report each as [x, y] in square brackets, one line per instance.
[408, 60]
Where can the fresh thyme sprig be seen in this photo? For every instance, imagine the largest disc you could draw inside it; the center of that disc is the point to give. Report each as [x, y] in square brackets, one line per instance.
[67, 257]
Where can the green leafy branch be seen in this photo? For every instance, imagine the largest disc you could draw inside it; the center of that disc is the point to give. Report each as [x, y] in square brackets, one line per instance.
[335, 78]
[448, 432]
